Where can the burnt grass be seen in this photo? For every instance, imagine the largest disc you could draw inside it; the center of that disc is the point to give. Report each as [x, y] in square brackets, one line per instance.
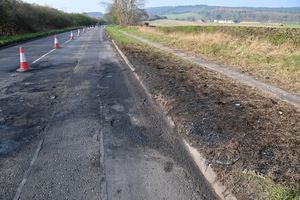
[236, 127]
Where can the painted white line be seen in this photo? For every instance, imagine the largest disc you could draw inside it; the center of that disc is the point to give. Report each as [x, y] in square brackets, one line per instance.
[43, 56]
[26, 174]
[34, 158]
[103, 185]
[66, 42]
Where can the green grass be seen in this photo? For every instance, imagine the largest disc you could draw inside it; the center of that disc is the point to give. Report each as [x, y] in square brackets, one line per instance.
[8, 40]
[152, 37]
[290, 25]
[273, 191]
[184, 16]
[117, 36]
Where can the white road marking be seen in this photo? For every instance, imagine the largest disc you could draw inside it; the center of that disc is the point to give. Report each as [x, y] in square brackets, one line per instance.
[25, 177]
[43, 56]
[34, 158]
[66, 42]
[103, 185]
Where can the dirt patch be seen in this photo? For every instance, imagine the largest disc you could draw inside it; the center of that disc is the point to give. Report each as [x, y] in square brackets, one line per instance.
[237, 128]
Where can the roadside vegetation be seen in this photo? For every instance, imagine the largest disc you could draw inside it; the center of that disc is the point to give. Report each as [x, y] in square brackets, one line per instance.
[223, 119]
[18, 17]
[8, 40]
[269, 54]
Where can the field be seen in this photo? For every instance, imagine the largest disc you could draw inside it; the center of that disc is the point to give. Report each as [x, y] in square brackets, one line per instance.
[267, 53]
[169, 22]
[174, 22]
[292, 25]
[224, 120]
[187, 16]
[182, 16]
[210, 13]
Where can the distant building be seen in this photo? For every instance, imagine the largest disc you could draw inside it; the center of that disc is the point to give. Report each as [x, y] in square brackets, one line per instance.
[224, 21]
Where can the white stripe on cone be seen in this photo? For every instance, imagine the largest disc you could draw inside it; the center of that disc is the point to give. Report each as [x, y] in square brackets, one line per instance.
[23, 58]
[23, 61]
[72, 36]
[56, 44]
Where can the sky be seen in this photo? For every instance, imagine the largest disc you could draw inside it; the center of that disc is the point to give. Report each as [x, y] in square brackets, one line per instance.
[96, 5]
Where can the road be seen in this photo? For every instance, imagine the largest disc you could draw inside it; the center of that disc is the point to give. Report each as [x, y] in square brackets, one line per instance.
[34, 50]
[80, 126]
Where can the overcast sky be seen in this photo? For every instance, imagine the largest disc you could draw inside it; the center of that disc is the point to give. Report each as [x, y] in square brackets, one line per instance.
[95, 5]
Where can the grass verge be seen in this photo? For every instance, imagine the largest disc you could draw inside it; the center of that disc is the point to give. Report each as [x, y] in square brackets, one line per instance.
[224, 121]
[272, 57]
[9, 40]
[273, 191]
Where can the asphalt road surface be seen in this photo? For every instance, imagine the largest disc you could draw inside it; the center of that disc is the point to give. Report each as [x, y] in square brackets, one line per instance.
[79, 126]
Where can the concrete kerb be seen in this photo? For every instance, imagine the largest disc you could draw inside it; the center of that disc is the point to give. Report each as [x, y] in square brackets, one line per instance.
[207, 171]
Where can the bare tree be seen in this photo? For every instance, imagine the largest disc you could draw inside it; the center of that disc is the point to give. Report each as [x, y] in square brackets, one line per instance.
[126, 12]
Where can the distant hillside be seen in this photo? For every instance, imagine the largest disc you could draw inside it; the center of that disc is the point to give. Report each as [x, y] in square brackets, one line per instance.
[210, 13]
[96, 15]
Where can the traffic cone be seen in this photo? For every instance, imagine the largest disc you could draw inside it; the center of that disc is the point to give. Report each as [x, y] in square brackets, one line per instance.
[56, 44]
[72, 36]
[78, 32]
[23, 62]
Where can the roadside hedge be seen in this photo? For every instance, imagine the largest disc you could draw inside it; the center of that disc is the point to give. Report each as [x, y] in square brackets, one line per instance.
[17, 17]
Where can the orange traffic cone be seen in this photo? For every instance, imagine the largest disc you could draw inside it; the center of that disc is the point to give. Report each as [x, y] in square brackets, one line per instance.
[78, 32]
[56, 44]
[72, 36]
[23, 62]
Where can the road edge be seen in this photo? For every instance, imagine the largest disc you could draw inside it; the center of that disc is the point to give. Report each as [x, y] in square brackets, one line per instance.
[201, 162]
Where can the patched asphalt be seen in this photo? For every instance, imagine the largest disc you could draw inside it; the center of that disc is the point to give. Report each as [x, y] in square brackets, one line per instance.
[102, 136]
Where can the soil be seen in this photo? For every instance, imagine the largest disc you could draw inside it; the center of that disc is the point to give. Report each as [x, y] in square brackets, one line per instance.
[236, 127]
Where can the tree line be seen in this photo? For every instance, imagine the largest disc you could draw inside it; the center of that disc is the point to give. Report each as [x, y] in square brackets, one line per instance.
[250, 15]
[18, 17]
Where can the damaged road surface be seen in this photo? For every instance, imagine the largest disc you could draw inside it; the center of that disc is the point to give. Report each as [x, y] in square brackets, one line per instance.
[80, 126]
